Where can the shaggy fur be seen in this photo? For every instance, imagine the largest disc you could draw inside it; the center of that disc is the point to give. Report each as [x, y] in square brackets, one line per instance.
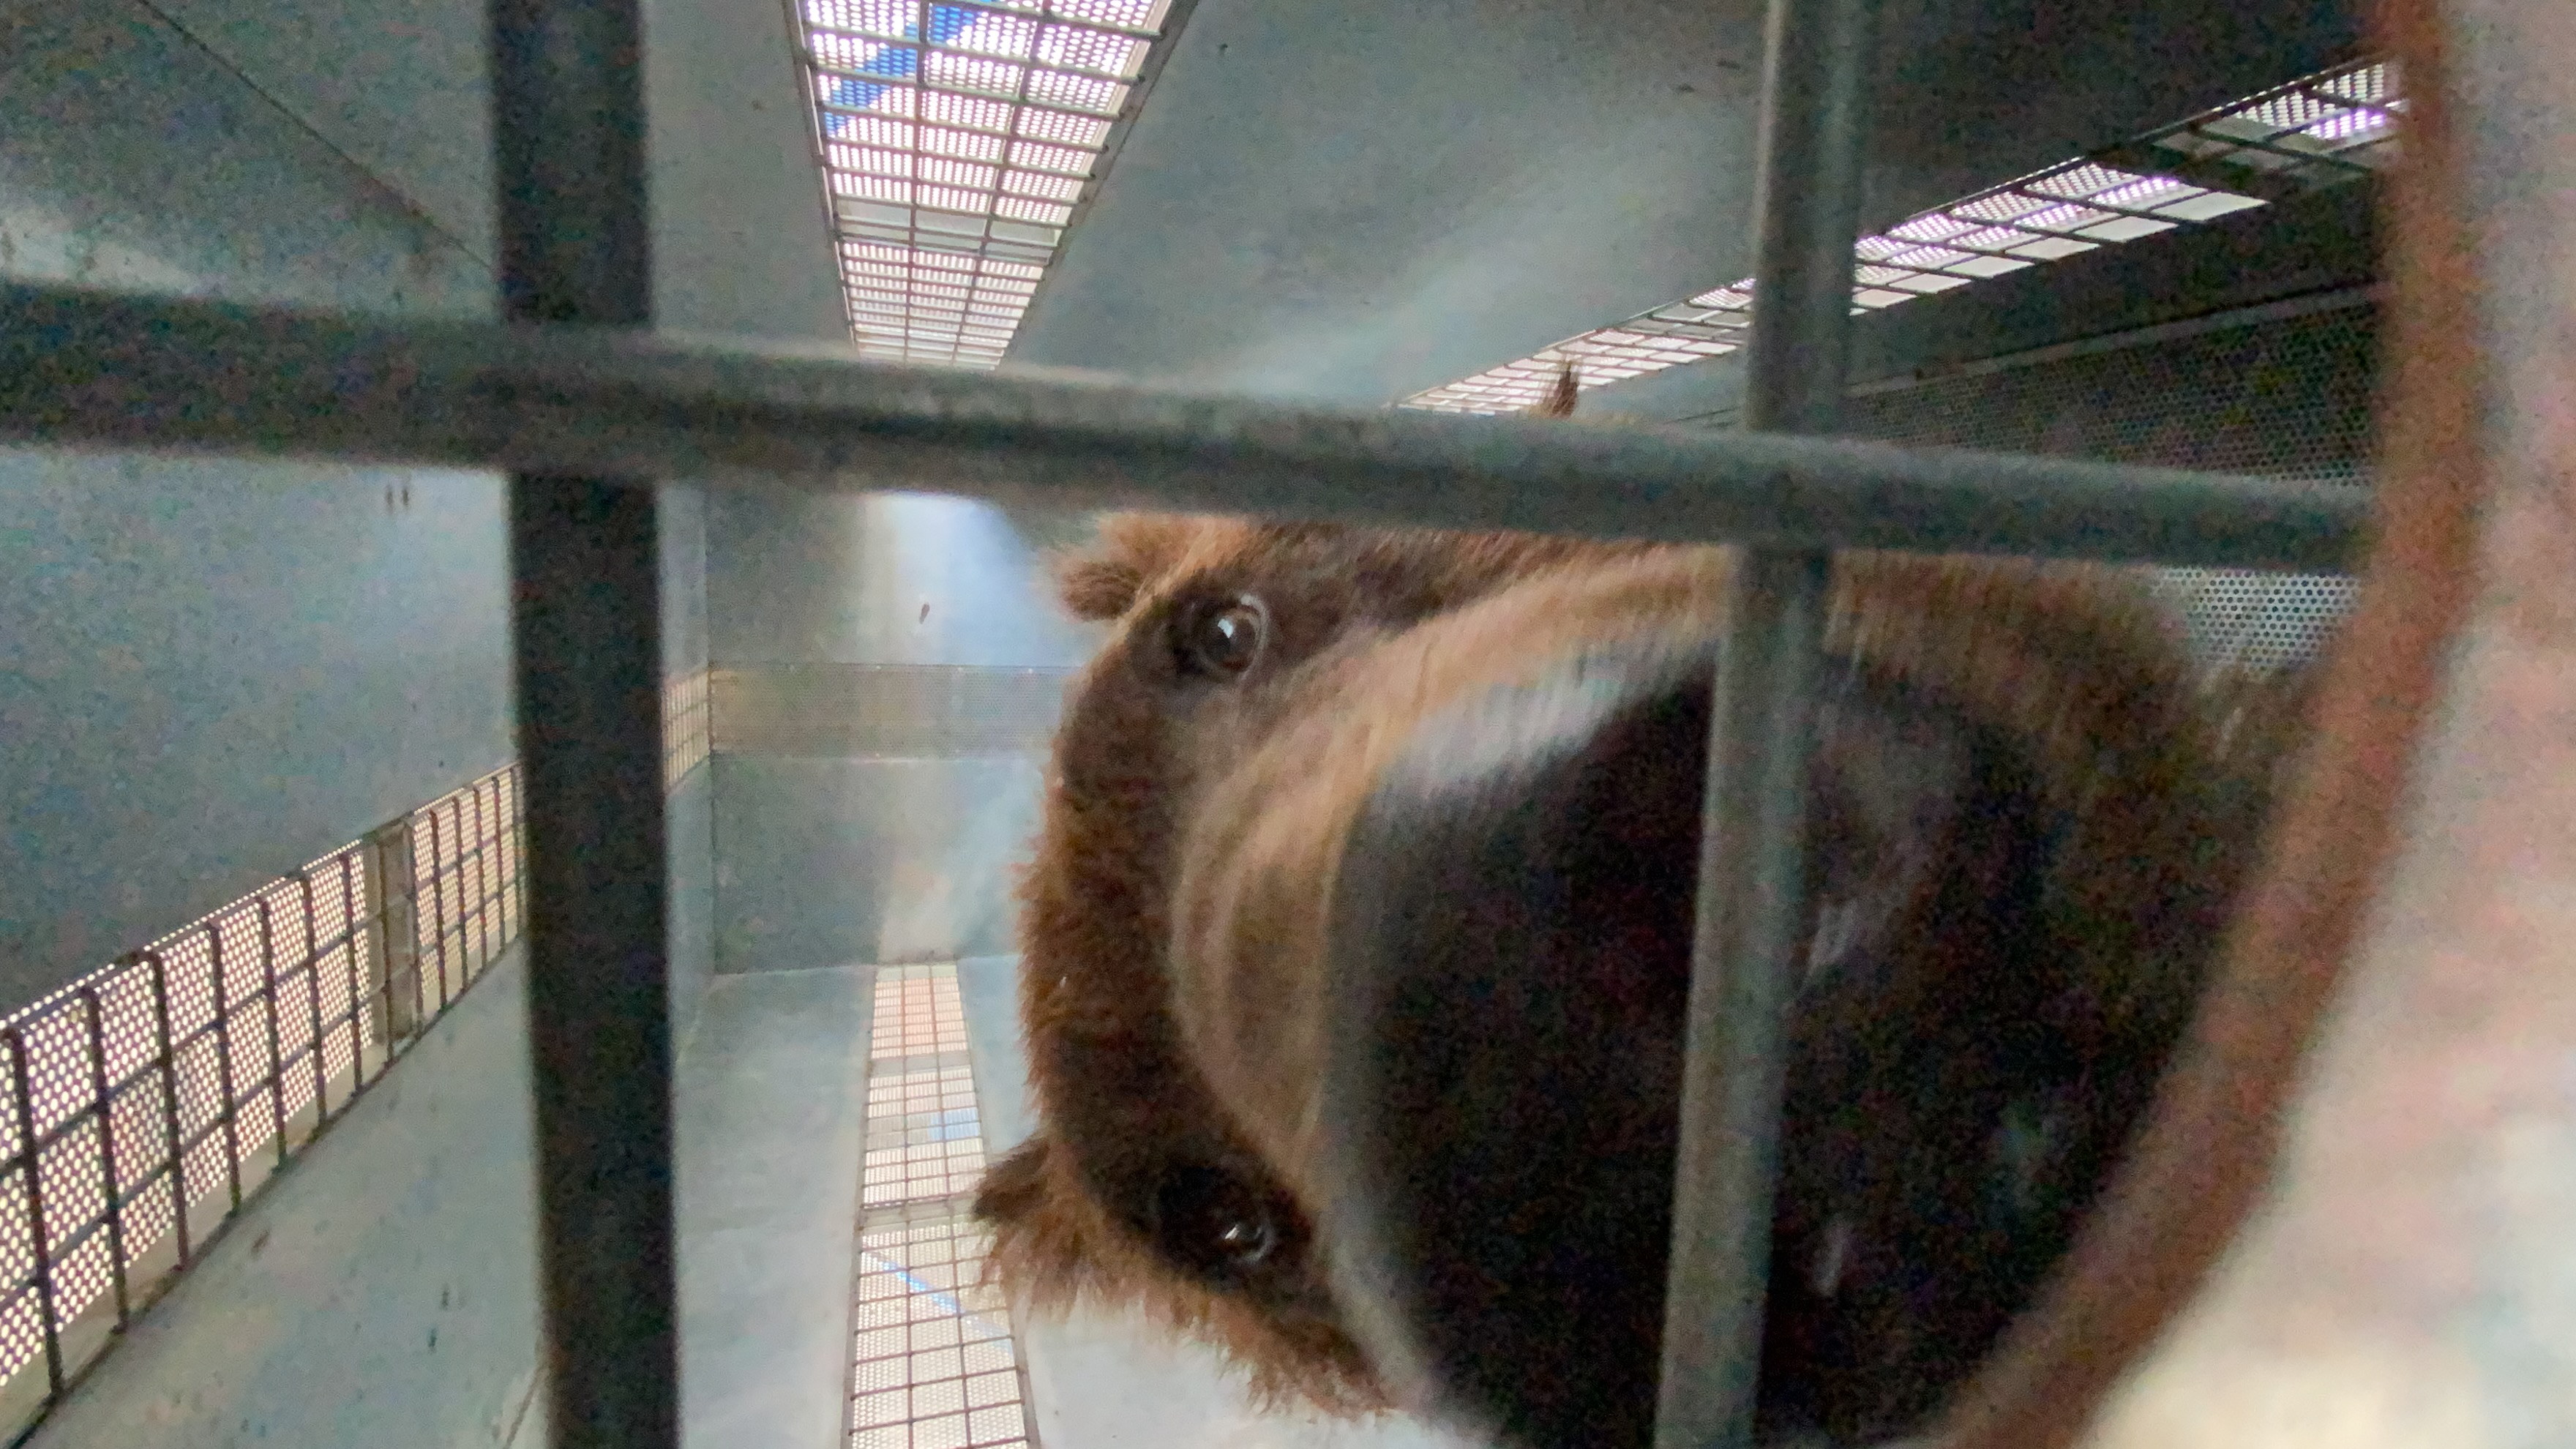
[1120, 1102]
[1172, 1060]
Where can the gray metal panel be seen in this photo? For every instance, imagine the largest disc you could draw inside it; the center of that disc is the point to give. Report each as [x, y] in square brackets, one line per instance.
[897, 710]
[380, 1292]
[405, 92]
[212, 672]
[884, 579]
[684, 580]
[739, 241]
[689, 816]
[988, 994]
[689, 819]
[891, 624]
[885, 624]
[828, 862]
[136, 160]
[1559, 165]
[772, 1103]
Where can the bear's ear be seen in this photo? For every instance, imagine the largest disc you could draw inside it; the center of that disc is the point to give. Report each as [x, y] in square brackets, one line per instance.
[1014, 1185]
[1104, 581]
[1559, 402]
[1096, 588]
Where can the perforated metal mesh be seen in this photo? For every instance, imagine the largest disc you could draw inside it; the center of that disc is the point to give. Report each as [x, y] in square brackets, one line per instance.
[688, 727]
[957, 138]
[144, 1102]
[2260, 621]
[2287, 399]
[2336, 126]
[934, 1365]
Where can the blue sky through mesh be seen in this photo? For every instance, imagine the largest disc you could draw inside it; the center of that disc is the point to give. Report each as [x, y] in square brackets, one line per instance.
[959, 137]
[897, 63]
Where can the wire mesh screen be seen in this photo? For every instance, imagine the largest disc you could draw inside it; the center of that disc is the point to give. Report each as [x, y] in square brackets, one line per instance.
[934, 1365]
[687, 727]
[146, 1099]
[2287, 398]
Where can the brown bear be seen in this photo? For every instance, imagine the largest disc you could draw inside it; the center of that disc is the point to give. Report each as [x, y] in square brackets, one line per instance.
[2030, 812]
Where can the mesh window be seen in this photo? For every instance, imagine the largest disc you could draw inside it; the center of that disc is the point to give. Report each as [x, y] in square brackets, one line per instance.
[147, 1099]
[934, 1365]
[2326, 129]
[144, 1102]
[901, 92]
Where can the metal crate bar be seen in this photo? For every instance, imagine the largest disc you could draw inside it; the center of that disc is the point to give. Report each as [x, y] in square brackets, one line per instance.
[1751, 910]
[568, 148]
[104, 370]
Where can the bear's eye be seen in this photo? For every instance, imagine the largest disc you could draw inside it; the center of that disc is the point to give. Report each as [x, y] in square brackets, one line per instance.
[1222, 638]
[1213, 1222]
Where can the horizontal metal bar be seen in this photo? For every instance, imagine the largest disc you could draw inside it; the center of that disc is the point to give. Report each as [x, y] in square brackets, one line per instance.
[106, 370]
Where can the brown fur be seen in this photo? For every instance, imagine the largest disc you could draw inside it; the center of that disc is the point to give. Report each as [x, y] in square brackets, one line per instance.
[2066, 659]
[2341, 1225]
[1144, 1042]
[1112, 1080]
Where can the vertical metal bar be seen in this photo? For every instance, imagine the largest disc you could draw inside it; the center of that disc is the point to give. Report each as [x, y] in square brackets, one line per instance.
[113, 1190]
[1748, 938]
[386, 858]
[223, 1029]
[420, 924]
[1815, 119]
[31, 1161]
[351, 916]
[276, 1037]
[484, 873]
[166, 1054]
[313, 954]
[441, 924]
[568, 142]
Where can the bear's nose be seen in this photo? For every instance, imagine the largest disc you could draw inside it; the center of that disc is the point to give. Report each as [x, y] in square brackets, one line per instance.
[1510, 953]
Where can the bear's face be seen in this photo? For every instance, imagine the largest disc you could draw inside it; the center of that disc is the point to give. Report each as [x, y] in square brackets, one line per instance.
[1139, 1187]
[2027, 825]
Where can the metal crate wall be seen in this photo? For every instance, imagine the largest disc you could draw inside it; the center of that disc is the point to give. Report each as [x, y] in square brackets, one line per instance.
[2287, 398]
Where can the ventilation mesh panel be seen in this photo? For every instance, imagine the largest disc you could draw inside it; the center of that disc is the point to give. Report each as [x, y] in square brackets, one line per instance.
[2285, 399]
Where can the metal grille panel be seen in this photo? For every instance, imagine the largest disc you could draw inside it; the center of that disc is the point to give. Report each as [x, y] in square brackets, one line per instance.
[956, 139]
[2322, 130]
[2284, 399]
[688, 728]
[934, 1365]
[148, 1100]
[2288, 398]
